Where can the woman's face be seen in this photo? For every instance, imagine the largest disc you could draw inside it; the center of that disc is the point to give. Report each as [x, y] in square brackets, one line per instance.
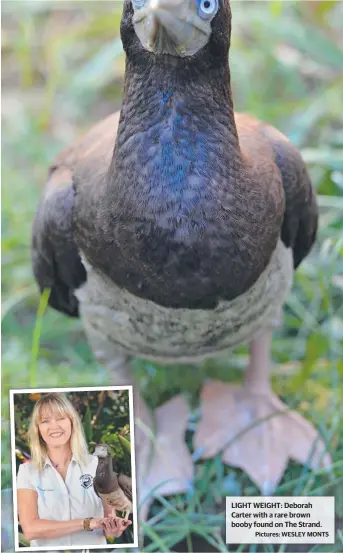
[54, 428]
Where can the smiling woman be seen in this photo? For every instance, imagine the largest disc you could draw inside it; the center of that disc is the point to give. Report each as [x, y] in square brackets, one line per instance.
[57, 503]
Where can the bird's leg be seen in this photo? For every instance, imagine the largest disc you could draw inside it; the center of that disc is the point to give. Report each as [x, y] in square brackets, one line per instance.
[257, 375]
[252, 428]
[113, 513]
[163, 463]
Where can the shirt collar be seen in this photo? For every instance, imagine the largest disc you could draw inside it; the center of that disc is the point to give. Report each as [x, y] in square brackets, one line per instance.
[48, 461]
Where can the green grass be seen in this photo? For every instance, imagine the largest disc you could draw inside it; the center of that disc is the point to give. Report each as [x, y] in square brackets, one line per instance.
[62, 71]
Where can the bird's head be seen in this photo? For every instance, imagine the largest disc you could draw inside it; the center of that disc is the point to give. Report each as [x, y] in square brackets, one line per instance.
[102, 451]
[179, 28]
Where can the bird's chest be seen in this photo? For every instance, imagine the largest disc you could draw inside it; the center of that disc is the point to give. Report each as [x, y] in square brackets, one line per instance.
[139, 327]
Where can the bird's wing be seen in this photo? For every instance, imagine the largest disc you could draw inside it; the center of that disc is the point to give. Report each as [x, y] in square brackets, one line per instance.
[55, 257]
[300, 219]
[125, 482]
[95, 487]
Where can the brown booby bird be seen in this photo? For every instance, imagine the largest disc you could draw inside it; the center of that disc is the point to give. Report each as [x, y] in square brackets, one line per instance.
[173, 229]
[113, 489]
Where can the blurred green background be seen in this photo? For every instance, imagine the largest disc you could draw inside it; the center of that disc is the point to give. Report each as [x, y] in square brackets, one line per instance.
[105, 418]
[62, 70]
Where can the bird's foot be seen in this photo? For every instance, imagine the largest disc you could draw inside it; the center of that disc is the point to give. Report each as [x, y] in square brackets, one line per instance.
[256, 432]
[164, 464]
[113, 515]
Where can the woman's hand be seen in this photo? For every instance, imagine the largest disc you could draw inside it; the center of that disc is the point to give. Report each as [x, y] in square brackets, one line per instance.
[96, 523]
[114, 527]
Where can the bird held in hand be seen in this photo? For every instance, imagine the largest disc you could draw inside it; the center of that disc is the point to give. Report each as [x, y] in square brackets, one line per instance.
[113, 489]
[173, 229]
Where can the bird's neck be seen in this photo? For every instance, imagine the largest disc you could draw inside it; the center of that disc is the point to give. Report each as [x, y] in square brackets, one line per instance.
[106, 463]
[177, 114]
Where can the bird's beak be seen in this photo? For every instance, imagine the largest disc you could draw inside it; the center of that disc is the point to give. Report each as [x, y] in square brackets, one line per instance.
[169, 25]
[100, 451]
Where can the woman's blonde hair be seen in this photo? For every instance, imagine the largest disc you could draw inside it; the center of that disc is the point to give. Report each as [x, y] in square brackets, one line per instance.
[60, 405]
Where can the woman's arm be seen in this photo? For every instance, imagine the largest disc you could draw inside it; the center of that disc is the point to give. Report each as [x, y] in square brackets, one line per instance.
[35, 528]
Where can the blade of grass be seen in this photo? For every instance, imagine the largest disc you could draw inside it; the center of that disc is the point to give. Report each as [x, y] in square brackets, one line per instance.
[36, 336]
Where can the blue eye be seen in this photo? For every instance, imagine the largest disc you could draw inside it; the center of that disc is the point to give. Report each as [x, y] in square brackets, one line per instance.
[137, 4]
[207, 8]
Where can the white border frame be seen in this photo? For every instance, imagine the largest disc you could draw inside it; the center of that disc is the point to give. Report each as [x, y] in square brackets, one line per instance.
[133, 468]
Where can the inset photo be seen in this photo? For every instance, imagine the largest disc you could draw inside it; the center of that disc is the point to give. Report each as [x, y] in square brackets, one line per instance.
[73, 467]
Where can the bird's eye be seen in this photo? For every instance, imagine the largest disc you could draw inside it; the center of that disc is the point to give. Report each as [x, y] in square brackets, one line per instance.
[137, 4]
[207, 8]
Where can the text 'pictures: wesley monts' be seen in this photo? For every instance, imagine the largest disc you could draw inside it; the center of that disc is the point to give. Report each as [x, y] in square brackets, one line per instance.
[73, 468]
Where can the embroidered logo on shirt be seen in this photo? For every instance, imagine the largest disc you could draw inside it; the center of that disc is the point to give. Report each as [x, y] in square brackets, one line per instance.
[86, 480]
